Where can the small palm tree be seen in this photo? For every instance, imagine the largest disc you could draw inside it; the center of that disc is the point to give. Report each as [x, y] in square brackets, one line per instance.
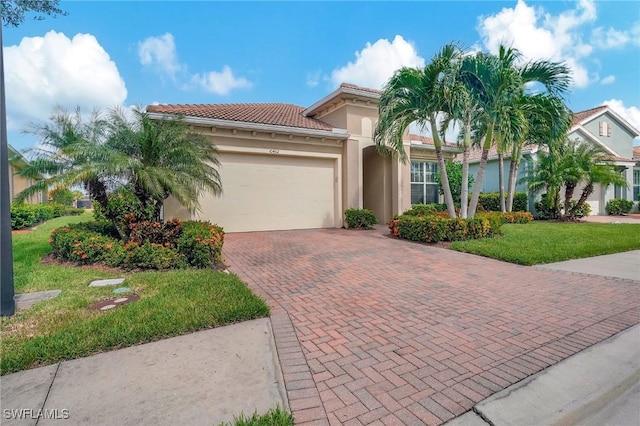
[155, 159]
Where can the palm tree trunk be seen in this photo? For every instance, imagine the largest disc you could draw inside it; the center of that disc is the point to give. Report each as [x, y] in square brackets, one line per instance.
[444, 179]
[569, 188]
[513, 171]
[464, 194]
[586, 193]
[477, 186]
[503, 208]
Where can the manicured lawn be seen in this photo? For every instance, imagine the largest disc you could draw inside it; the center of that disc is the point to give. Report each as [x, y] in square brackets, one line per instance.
[274, 417]
[171, 303]
[547, 242]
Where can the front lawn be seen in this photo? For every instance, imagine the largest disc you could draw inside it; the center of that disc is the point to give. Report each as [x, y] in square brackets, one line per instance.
[171, 303]
[547, 242]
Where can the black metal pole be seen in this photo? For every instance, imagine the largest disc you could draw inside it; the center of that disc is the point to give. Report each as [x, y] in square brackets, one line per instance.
[7, 303]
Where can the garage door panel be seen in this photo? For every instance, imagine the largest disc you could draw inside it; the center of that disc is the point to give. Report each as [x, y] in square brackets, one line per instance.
[273, 192]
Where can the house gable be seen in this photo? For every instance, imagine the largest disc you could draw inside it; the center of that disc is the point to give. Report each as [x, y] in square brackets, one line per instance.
[611, 132]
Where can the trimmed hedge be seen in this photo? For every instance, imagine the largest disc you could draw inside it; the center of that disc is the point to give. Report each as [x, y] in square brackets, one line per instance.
[27, 215]
[490, 201]
[171, 245]
[617, 207]
[423, 209]
[437, 227]
[360, 218]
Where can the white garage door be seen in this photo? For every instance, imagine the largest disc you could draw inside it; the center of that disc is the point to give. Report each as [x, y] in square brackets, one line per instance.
[270, 192]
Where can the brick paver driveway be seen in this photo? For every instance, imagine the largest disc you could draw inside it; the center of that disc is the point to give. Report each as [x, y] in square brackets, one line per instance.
[373, 330]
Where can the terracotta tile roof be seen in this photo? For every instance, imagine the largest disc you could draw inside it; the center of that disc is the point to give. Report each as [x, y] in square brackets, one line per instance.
[271, 113]
[364, 89]
[580, 116]
[476, 153]
[426, 140]
[636, 153]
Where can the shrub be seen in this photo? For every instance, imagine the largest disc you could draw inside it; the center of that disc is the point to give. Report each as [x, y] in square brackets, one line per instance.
[125, 208]
[435, 228]
[201, 244]
[149, 256]
[26, 215]
[423, 209]
[156, 232]
[454, 174]
[508, 217]
[62, 196]
[77, 244]
[618, 206]
[584, 210]
[360, 218]
[490, 201]
[544, 211]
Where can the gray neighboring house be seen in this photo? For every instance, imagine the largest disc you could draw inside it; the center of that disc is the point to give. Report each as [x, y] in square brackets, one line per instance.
[600, 126]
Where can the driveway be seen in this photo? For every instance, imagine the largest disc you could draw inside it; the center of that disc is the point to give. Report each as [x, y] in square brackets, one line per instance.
[373, 330]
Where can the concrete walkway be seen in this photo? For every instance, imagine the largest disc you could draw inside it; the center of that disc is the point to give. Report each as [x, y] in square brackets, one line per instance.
[621, 265]
[202, 378]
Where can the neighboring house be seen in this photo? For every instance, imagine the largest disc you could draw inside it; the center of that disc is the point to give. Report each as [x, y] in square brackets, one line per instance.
[600, 126]
[636, 176]
[290, 167]
[17, 183]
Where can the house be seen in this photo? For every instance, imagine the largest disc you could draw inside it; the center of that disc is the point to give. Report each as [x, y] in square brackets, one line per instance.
[17, 183]
[292, 167]
[600, 126]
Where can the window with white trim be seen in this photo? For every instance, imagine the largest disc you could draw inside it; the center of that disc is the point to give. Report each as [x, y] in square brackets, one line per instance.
[636, 185]
[424, 188]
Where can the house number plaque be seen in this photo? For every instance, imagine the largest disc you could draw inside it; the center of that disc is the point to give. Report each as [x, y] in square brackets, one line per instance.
[274, 151]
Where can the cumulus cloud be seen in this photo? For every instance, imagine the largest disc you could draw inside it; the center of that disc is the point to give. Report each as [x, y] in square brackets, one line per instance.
[630, 113]
[160, 54]
[220, 83]
[541, 35]
[614, 39]
[608, 79]
[376, 63]
[42, 72]
[313, 78]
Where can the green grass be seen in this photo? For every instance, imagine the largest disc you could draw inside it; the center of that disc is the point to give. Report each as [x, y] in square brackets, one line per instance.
[171, 303]
[274, 417]
[546, 242]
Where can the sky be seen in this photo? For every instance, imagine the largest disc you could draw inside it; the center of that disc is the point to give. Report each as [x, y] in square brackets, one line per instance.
[120, 53]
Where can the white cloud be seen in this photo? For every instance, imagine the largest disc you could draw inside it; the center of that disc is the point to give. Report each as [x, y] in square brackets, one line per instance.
[540, 35]
[42, 72]
[630, 113]
[614, 39]
[160, 53]
[220, 83]
[608, 79]
[376, 63]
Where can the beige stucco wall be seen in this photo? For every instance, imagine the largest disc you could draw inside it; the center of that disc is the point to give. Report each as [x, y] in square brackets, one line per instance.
[18, 184]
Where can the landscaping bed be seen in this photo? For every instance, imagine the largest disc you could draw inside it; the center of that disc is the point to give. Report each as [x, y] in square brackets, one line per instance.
[171, 303]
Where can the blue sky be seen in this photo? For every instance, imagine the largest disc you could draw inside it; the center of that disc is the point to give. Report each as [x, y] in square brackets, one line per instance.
[136, 53]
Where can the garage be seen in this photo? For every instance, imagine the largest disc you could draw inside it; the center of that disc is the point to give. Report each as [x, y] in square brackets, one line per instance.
[273, 192]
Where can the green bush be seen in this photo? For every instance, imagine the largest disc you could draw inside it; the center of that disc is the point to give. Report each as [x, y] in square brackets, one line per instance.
[156, 232]
[26, 215]
[490, 201]
[423, 209]
[508, 217]
[62, 196]
[434, 228]
[617, 206]
[584, 210]
[125, 207]
[195, 244]
[201, 244]
[360, 218]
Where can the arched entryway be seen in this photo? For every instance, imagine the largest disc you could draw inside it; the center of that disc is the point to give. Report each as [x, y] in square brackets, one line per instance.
[376, 183]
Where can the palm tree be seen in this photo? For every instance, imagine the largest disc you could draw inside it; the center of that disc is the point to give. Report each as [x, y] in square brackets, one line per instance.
[498, 83]
[155, 159]
[416, 96]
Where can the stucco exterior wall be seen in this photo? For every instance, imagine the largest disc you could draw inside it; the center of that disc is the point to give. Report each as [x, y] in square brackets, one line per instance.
[621, 139]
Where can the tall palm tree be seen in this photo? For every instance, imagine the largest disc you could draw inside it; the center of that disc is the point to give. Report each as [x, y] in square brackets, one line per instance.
[416, 96]
[154, 158]
[498, 82]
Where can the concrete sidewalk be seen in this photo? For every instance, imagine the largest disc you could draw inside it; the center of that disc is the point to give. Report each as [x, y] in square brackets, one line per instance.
[598, 386]
[201, 378]
[621, 265]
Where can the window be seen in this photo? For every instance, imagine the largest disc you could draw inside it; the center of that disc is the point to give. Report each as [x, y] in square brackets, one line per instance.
[423, 182]
[636, 185]
[605, 128]
[620, 192]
